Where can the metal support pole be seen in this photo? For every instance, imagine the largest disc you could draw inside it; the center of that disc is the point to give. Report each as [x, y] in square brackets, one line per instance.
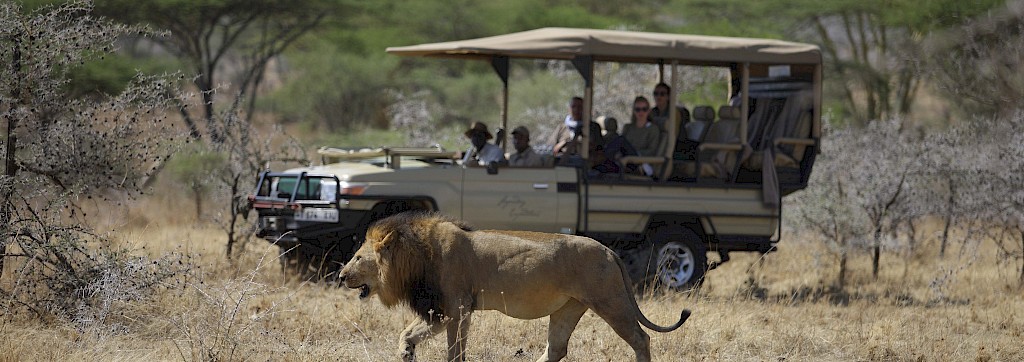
[585, 66]
[744, 103]
[500, 64]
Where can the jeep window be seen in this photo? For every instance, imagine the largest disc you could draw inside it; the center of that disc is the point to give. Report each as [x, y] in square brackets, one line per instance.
[310, 188]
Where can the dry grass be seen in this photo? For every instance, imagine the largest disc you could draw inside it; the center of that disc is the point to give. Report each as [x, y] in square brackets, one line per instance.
[777, 308]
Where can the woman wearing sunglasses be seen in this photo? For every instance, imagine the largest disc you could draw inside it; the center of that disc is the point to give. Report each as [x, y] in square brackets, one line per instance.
[659, 114]
[641, 132]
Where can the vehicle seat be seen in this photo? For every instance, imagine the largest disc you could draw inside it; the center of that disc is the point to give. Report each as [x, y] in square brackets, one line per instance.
[790, 136]
[727, 129]
[719, 150]
[698, 127]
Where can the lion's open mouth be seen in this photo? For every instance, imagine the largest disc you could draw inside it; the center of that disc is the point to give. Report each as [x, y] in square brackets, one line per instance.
[364, 291]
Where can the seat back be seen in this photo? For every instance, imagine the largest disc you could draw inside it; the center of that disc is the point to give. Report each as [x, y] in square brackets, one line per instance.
[698, 127]
[799, 125]
[703, 113]
[695, 130]
[727, 129]
[719, 163]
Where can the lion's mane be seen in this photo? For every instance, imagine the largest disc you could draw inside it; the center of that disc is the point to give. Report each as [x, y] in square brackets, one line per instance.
[408, 252]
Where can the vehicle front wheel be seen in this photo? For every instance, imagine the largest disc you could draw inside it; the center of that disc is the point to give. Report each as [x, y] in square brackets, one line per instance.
[679, 260]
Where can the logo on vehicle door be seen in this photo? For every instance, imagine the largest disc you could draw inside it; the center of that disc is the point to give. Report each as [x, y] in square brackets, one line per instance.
[516, 207]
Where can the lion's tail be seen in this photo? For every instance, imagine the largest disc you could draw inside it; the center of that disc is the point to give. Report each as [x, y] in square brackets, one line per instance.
[683, 316]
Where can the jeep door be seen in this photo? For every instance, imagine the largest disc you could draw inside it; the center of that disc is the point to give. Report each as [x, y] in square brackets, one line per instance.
[514, 198]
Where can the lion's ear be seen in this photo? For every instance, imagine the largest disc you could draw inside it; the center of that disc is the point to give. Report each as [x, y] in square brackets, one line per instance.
[385, 244]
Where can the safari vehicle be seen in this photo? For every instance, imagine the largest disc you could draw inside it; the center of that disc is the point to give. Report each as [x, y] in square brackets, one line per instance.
[722, 196]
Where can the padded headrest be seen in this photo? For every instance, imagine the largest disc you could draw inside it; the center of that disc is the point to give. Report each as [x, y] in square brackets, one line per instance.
[728, 112]
[704, 113]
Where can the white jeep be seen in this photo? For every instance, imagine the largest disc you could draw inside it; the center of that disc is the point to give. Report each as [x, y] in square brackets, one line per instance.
[716, 187]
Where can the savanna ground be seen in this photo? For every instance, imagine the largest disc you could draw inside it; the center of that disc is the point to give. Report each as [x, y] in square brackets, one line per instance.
[964, 307]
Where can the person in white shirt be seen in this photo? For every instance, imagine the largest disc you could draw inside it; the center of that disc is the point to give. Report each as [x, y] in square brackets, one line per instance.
[482, 153]
[564, 137]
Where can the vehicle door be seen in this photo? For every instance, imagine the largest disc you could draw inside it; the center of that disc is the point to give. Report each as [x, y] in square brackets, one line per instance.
[512, 198]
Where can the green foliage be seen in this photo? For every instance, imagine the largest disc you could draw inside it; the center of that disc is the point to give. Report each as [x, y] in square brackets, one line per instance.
[343, 80]
[788, 17]
[339, 79]
[981, 66]
[371, 138]
[872, 46]
[111, 73]
[565, 15]
[926, 16]
[335, 90]
[195, 166]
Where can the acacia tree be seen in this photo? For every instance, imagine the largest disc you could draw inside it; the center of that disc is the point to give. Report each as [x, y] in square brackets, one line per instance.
[859, 192]
[214, 36]
[977, 64]
[885, 157]
[827, 206]
[873, 46]
[62, 153]
[246, 151]
[996, 195]
[876, 46]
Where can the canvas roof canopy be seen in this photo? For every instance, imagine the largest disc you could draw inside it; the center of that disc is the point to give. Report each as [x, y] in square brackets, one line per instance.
[620, 46]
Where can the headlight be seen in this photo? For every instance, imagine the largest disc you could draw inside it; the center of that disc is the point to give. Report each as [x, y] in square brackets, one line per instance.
[353, 188]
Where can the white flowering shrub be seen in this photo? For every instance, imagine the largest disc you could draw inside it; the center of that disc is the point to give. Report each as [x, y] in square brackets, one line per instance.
[871, 187]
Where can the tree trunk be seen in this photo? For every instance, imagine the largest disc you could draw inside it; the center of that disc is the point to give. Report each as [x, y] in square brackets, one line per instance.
[951, 203]
[945, 236]
[197, 195]
[205, 84]
[1021, 281]
[912, 241]
[235, 212]
[876, 253]
[842, 270]
[11, 166]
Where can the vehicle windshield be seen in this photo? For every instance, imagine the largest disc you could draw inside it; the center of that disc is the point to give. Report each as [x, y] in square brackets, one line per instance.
[309, 188]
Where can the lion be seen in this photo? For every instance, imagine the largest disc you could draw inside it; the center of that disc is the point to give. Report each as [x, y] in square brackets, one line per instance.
[444, 270]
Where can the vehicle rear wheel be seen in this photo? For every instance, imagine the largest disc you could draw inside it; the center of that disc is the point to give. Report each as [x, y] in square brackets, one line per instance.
[679, 260]
[307, 266]
[294, 262]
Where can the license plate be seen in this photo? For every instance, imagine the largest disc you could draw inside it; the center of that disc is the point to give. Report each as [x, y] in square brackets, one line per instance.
[317, 214]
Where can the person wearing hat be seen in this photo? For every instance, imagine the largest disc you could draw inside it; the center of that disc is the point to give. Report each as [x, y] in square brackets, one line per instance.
[524, 155]
[482, 153]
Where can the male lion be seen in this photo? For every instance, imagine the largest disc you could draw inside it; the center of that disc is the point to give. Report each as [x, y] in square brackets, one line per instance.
[444, 270]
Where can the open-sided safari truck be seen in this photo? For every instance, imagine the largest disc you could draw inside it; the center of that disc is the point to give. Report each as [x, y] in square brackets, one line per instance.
[722, 193]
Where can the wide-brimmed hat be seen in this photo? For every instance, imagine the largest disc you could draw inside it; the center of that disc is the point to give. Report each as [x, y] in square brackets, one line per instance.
[478, 127]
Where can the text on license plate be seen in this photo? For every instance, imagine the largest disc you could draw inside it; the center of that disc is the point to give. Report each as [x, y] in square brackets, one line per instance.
[317, 214]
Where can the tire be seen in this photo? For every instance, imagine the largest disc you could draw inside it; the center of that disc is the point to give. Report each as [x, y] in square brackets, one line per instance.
[307, 266]
[678, 260]
[294, 262]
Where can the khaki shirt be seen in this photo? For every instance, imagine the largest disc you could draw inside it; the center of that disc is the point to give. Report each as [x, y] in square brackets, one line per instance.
[526, 158]
[645, 139]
